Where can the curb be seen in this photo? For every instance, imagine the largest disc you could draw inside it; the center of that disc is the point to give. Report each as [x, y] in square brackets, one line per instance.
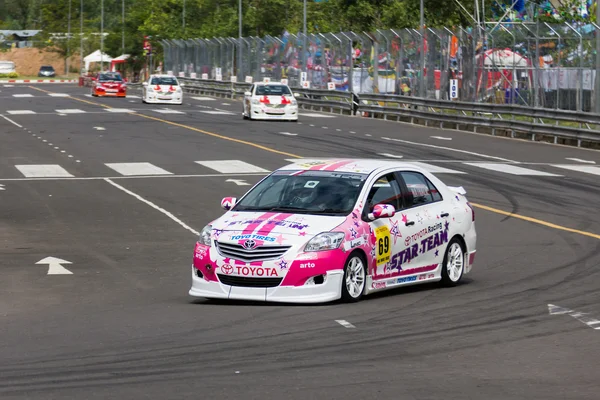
[38, 81]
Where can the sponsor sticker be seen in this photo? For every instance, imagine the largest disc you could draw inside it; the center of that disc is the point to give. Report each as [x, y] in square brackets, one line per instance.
[307, 265]
[253, 236]
[379, 285]
[383, 248]
[406, 279]
[249, 270]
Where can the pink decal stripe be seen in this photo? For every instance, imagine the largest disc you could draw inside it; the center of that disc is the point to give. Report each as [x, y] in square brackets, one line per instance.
[334, 166]
[265, 230]
[413, 271]
[250, 228]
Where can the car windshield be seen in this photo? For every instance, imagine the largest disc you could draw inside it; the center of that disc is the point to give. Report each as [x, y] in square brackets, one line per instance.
[272, 90]
[47, 68]
[164, 81]
[305, 192]
[110, 77]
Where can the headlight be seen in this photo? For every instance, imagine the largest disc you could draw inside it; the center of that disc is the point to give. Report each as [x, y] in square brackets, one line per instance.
[294, 102]
[255, 101]
[206, 236]
[325, 241]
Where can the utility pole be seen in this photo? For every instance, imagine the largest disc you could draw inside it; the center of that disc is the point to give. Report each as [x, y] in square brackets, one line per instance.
[422, 62]
[123, 34]
[304, 68]
[183, 18]
[102, 36]
[597, 80]
[241, 71]
[68, 41]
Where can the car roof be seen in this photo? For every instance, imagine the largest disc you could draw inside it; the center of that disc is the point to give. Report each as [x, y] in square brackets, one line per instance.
[163, 76]
[269, 83]
[356, 165]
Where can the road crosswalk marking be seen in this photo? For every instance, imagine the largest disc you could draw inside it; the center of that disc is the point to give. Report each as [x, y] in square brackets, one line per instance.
[588, 169]
[70, 111]
[510, 169]
[315, 115]
[167, 111]
[218, 112]
[22, 95]
[137, 168]
[59, 95]
[231, 166]
[43, 171]
[20, 112]
[203, 98]
[119, 110]
[434, 169]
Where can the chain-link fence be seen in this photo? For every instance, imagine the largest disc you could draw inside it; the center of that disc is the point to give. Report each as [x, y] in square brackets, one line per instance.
[532, 64]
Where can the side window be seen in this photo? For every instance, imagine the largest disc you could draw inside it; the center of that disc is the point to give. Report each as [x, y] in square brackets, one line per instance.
[251, 90]
[420, 189]
[386, 190]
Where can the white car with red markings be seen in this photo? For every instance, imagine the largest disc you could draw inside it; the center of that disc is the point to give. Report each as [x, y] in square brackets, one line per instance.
[322, 230]
[272, 100]
[163, 89]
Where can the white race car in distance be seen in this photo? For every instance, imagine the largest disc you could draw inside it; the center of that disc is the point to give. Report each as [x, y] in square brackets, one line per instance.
[272, 100]
[162, 89]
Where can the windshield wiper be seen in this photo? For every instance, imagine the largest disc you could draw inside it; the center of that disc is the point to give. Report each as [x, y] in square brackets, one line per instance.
[284, 209]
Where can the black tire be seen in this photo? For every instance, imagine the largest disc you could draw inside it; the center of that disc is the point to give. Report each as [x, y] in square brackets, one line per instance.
[451, 273]
[360, 290]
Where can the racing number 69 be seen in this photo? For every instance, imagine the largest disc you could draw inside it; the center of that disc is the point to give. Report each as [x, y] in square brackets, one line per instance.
[384, 245]
[382, 235]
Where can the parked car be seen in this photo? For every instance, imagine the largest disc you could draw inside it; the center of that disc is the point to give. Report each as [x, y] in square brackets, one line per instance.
[7, 67]
[47, 71]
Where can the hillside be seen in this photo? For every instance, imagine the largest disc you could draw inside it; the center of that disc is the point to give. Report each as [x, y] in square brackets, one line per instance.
[28, 60]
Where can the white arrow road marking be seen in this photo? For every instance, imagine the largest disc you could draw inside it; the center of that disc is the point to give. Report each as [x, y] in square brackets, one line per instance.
[580, 160]
[390, 155]
[55, 267]
[344, 323]
[288, 133]
[440, 137]
[239, 182]
[557, 310]
[2, 187]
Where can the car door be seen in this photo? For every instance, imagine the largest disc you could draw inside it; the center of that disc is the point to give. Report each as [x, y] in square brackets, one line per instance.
[426, 218]
[248, 100]
[385, 233]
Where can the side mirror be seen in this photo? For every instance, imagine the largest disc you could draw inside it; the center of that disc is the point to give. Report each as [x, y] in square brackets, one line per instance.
[228, 202]
[295, 94]
[182, 85]
[382, 211]
[145, 84]
[247, 94]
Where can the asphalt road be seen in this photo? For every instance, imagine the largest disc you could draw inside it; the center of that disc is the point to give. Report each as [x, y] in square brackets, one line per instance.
[123, 326]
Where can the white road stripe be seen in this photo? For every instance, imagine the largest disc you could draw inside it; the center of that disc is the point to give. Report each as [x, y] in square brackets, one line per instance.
[580, 160]
[434, 169]
[315, 115]
[162, 210]
[132, 96]
[288, 134]
[448, 148]
[59, 95]
[509, 169]
[11, 121]
[344, 323]
[43, 171]
[20, 112]
[231, 166]
[167, 111]
[390, 155]
[218, 112]
[22, 95]
[70, 111]
[137, 168]
[440, 137]
[203, 98]
[119, 110]
[9, 85]
[588, 169]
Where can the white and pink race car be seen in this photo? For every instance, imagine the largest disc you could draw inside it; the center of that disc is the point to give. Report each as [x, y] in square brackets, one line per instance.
[322, 230]
[270, 100]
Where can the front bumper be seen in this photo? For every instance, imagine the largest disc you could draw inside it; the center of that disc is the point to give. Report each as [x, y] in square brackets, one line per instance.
[155, 100]
[110, 94]
[260, 112]
[329, 290]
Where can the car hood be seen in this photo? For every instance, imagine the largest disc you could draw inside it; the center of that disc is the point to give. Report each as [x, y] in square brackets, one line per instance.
[164, 88]
[111, 84]
[269, 225]
[270, 100]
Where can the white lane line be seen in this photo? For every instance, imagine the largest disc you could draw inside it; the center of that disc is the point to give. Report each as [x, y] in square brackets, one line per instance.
[22, 95]
[440, 137]
[162, 210]
[70, 111]
[390, 155]
[97, 178]
[338, 130]
[344, 323]
[59, 95]
[225, 104]
[203, 98]
[231, 166]
[99, 128]
[132, 96]
[119, 110]
[9, 85]
[11, 121]
[588, 169]
[449, 149]
[580, 316]
[315, 115]
[20, 112]
[324, 127]
[509, 169]
[218, 112]
[167, 111]
[352, 132]
[43, 171]
[137, 168]
[288, 134]
[580, 160]
[434, 169]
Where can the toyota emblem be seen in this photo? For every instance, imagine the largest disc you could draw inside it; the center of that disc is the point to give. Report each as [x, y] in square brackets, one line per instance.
[227, 269]
[249, 244]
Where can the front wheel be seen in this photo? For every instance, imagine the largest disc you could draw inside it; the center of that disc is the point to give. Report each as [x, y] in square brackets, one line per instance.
[355, 273]
[454, 263]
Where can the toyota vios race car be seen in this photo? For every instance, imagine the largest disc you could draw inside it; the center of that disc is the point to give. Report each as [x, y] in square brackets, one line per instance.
[271, 100]
[109, 84]
[162, 89]
[317, 231]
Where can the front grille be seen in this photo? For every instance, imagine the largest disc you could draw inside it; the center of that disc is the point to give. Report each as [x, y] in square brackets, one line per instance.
[249, 282]
[259, 253]
[277, 105]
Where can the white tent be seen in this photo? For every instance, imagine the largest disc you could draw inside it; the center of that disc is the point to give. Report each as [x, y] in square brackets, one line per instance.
[96, 56]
